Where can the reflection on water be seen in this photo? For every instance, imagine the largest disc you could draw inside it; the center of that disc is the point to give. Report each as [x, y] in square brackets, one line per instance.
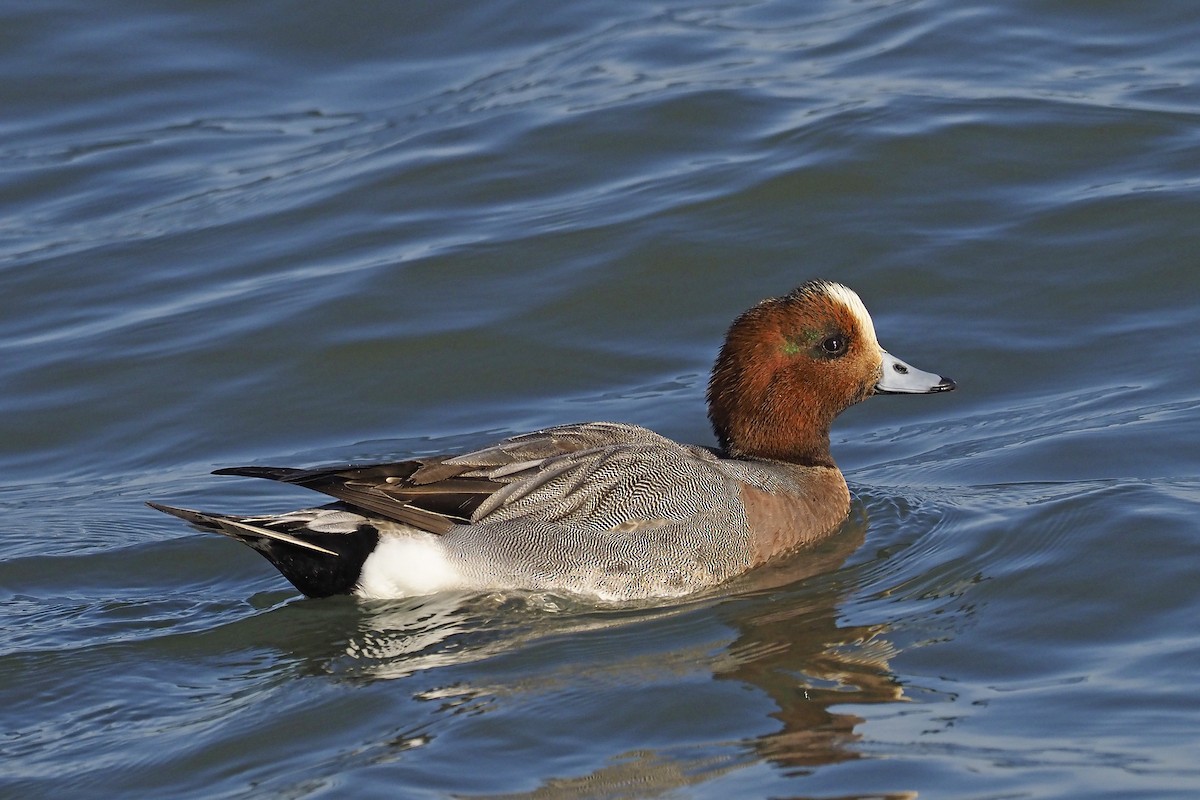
[638, 773]
[775, 631]
[798, 654]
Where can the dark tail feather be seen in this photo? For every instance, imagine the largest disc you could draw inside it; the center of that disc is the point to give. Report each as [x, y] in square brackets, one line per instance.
[286, 474]
[197, 518]
[237, 528]
[374, 489]
[317, 563]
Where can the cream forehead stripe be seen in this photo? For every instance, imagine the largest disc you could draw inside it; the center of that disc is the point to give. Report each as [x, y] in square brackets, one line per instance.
[851, 301]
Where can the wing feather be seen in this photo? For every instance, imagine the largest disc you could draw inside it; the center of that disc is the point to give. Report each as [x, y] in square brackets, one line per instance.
[598, 474]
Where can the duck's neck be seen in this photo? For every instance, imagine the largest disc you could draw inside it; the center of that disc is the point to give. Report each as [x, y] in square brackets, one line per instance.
[811, 451]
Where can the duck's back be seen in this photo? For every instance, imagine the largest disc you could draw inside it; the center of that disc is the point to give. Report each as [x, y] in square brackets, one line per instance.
[632, 515]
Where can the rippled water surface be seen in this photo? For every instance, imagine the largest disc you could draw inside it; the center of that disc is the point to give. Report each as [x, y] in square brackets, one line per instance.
[306, 233]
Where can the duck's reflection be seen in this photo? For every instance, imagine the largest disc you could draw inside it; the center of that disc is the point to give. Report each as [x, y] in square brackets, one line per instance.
[786, 643]
[795, 651]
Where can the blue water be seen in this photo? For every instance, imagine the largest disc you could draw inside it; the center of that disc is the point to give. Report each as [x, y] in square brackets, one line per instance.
[269, 233]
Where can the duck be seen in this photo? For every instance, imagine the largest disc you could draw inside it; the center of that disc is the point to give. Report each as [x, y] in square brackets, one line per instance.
[605, 510]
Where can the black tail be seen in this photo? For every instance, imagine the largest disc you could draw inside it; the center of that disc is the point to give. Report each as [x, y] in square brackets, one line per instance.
[286, 474]
[318, 563]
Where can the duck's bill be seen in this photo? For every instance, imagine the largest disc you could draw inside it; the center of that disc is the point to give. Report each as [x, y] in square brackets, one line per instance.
[901, 378]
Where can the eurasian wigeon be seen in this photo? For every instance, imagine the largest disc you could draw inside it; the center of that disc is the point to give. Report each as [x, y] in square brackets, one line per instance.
[603, 509]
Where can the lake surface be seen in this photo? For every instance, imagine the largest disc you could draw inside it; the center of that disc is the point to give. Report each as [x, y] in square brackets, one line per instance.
[298, 234]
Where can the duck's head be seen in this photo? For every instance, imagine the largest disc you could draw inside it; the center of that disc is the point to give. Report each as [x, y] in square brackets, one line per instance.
[791, 364]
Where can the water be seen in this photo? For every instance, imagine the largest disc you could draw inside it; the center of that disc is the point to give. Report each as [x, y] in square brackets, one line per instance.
[288, 234]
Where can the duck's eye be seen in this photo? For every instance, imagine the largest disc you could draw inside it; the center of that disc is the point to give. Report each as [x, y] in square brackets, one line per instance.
[834, 345]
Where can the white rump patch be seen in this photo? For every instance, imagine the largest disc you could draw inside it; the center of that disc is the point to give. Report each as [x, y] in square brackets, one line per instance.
[406, 565]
